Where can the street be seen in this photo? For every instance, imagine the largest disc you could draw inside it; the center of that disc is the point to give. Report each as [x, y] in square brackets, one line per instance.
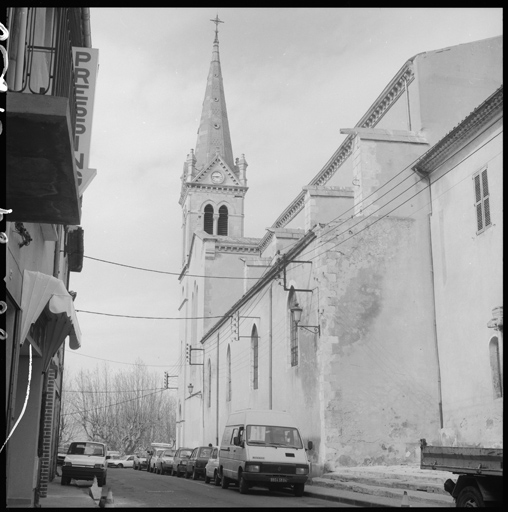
[141, 489]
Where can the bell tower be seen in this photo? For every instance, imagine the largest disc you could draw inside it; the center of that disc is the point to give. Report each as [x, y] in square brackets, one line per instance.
[213, 182]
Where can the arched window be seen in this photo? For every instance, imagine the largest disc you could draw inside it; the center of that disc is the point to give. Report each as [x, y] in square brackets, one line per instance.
[495, 365]
[293, 328]
[208, 222]
[228, 384]
[255, 357]
[223, 221]
[209, 383]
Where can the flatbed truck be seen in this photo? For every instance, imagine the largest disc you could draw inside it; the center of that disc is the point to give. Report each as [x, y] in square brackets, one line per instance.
[480, 472]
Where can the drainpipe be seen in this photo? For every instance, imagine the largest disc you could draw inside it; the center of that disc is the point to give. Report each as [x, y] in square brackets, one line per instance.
[217, 397]
[440, 404]
[270, 349]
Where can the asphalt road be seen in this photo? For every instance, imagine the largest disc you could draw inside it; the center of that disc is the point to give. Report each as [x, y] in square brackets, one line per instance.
[141, 489]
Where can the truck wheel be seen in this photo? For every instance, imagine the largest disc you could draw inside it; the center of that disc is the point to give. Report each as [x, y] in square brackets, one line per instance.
[243, 486]
[298, 490]
[224, 482]
[216, 478]
[470, 497]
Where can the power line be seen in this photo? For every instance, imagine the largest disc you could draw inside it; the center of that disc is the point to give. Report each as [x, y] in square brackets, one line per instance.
[164, 272]
[131, 364]
[149, 317]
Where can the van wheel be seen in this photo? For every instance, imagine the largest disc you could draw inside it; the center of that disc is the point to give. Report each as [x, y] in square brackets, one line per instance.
[243, 486]
[298, 490]
[224, 482]
[216, 478]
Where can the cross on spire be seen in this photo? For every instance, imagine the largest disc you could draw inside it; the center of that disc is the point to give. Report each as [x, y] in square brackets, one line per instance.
[216, 20]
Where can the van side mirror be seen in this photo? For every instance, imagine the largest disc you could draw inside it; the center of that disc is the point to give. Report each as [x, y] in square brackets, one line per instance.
[310, 445]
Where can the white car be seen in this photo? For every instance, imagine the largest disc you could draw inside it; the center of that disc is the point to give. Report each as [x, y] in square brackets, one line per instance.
[127, 461]
[152, 463]
[212, 467]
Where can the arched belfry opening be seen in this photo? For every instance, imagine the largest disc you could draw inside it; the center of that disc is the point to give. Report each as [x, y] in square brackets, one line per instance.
[208, 220]
[222, 228]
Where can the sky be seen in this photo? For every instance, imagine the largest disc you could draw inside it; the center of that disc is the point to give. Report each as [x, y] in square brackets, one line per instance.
[293, 77]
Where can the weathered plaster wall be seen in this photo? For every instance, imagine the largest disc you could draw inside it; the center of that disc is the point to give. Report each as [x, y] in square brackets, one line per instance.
[377, 349]
[469, 285]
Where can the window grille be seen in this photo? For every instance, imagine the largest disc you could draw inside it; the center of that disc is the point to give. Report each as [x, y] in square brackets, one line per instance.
[223, 221]
[482, 200]
[208, 222]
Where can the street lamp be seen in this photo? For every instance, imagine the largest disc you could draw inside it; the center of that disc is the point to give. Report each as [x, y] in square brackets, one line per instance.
[190, 387]
[297, 316]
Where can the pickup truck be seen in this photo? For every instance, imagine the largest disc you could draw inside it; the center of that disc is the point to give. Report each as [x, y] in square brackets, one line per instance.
[480, 472]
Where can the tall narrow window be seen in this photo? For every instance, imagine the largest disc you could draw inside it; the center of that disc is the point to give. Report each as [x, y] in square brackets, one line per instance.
[223, 221]
[293, 328]
[209, 383]
[228, 387]
[495, 366]
[482, 200]
[208, 222]
[255, 360]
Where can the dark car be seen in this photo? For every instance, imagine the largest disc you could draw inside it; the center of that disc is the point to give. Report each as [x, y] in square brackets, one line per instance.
[180, 461]
[197, 462]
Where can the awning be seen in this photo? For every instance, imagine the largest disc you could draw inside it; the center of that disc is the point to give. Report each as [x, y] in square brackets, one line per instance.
[40, 290]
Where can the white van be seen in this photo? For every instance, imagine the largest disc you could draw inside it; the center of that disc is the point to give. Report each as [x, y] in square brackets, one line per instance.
[263, 448]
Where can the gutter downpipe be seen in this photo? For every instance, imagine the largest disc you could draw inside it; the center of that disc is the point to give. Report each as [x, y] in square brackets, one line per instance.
[270, 355]
[440, 404]
[217, 397]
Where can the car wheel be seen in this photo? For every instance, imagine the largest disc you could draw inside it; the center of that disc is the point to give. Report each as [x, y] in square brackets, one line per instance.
[207, 479]
[470, 497]
[224, 482]
[298, 490]
[120, 466]
[101, 481]
[171, 472]
[178, 473]
[194, 474]
[65, 480]
[186, 473]
[216, 478]
[243, 486]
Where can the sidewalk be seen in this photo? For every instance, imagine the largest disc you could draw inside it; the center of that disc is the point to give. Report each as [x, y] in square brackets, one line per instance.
[75, 495]
[383, 486]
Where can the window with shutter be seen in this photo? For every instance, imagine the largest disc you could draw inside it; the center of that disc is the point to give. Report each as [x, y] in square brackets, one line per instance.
[482, 201]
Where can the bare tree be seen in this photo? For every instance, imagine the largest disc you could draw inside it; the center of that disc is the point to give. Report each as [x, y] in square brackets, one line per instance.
[126, 410]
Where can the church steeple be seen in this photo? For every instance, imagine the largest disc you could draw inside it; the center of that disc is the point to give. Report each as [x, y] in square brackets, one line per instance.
[213, 133]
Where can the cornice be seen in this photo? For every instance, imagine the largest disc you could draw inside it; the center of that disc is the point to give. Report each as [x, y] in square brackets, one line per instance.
[238, 191]
[476, 120]
[378, 109]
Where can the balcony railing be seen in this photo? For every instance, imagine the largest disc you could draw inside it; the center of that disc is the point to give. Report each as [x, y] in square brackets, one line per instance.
[48, 63]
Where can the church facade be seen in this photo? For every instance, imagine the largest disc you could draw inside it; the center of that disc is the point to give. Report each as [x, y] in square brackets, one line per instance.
[331, 314]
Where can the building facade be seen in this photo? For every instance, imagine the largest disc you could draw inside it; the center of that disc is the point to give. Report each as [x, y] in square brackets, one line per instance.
[44, 242]
[335, 314]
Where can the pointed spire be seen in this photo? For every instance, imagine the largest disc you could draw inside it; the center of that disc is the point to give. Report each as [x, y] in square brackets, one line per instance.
[213, 133]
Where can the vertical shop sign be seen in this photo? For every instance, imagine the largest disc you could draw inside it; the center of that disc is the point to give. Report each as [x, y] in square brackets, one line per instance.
[86, 66]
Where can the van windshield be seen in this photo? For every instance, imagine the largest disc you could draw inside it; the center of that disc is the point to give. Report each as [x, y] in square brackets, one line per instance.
[270, 435]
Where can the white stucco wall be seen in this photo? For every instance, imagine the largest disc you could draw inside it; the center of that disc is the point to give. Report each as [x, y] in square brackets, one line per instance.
[468, 282]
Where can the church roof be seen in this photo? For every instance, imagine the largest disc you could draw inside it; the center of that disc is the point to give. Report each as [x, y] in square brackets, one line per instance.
[213, 133]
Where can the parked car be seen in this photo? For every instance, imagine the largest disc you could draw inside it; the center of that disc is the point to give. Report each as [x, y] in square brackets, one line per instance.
[165, 462]
[127, 461]
[180, 461]
[152, 461]
[140, 461]
[197, 462]
[85, 460]
[111, 459]
[212, 467]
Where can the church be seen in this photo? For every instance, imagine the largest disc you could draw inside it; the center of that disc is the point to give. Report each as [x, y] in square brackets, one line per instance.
[336, 314]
